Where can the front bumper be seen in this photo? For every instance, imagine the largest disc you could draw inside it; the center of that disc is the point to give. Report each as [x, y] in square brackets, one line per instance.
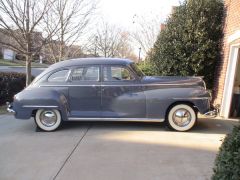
[10, 108]
[213, 112]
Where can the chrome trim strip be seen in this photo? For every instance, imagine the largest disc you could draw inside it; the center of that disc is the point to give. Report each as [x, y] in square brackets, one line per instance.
[69, 85]
[193, 98]
[40, 106]
[114, 85]
[116, 119]
[103, 85]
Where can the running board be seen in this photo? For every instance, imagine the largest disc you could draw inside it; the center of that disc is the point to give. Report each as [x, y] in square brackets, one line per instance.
[116, 119]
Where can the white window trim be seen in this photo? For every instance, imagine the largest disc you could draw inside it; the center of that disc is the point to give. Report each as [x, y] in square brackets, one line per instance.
[234, 36]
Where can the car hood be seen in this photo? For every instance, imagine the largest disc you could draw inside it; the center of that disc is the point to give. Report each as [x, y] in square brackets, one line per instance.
[172, 80]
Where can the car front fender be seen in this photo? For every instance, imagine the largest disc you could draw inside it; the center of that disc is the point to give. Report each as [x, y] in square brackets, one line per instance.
[200, 98]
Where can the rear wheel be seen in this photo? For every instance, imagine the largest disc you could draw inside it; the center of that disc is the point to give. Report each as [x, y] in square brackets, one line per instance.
[181, 117]
[48, 119]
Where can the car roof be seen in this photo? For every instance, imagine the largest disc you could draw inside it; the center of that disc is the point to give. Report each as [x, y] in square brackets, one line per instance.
[90, 61]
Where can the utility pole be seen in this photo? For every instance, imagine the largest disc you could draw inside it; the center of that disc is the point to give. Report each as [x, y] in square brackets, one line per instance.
[139, 54]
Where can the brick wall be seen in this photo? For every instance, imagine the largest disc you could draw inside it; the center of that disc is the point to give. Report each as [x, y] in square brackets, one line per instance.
[232, 24]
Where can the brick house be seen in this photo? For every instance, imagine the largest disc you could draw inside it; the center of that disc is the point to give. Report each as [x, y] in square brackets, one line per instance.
[6, 52]
[227, 79]
[9, 53]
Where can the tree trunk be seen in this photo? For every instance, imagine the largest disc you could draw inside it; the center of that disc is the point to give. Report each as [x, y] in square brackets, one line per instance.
[28, 39]
[61, 53]
[28, 70]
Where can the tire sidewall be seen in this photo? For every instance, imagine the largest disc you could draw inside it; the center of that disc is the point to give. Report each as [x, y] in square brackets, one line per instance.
[46, 128]
[187, 127]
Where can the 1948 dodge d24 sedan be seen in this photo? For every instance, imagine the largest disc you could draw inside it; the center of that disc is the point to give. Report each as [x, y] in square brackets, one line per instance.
[98, 89]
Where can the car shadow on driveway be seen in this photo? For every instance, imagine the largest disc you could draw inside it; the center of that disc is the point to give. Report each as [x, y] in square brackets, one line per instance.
[204, 125]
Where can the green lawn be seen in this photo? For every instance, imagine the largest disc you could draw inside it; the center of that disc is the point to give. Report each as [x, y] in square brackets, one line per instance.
[3, 109]
[19, 63]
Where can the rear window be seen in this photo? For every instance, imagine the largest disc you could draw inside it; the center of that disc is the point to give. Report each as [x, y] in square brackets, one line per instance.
[59, 76]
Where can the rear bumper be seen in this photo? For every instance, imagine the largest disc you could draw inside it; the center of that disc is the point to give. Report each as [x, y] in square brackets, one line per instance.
[10, 108]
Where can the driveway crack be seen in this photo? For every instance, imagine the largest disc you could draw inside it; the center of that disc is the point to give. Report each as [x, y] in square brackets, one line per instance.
[75, 147]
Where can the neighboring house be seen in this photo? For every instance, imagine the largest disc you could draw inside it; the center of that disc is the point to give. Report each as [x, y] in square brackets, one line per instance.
[51, 51]
[75, 51]
[6, 52]
[9, 54]
[226, 90]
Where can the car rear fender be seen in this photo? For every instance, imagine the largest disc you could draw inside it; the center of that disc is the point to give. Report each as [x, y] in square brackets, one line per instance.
[28, 101]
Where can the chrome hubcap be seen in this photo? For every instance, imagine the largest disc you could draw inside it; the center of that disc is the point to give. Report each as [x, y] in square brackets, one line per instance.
[181, 117]
[48, 118]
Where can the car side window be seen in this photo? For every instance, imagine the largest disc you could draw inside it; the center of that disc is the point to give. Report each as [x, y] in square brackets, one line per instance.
[90, 73]
[77, 74]
[59, 76]
[116, 73]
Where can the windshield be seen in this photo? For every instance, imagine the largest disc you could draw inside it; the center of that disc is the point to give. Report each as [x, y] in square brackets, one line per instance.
[137, 70]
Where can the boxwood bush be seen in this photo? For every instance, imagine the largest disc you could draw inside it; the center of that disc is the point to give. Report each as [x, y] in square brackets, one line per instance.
[10, 84]
[147, 68]
[227, 163]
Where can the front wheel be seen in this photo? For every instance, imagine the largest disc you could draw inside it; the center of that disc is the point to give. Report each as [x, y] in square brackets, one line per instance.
[48, 119]
[181, 117]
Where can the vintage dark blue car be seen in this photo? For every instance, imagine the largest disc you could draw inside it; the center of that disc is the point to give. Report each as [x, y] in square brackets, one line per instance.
[104, 89]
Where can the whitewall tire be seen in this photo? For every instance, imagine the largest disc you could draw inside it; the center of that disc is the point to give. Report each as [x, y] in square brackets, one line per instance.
[181, 117]
[48, 119]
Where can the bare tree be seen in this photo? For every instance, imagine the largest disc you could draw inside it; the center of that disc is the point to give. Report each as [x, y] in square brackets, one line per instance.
[20, 21]
[125, 49]
[107, 40]
[71, 17]
[146, 31]
[110, 41]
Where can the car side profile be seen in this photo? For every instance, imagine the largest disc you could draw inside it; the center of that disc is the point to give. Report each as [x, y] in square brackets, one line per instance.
[110, 89]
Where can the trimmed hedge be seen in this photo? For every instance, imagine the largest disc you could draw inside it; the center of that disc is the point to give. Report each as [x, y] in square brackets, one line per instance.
[227, 163]
[10, 84]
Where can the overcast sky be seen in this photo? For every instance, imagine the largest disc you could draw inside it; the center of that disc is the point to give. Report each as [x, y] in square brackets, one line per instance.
[121, 12]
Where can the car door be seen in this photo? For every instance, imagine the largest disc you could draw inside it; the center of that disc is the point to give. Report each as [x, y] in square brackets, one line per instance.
[122, 94]
[85, 92]
[56, 81]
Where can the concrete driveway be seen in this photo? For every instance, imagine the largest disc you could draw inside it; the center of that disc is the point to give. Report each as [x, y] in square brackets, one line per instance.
[108, 151]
